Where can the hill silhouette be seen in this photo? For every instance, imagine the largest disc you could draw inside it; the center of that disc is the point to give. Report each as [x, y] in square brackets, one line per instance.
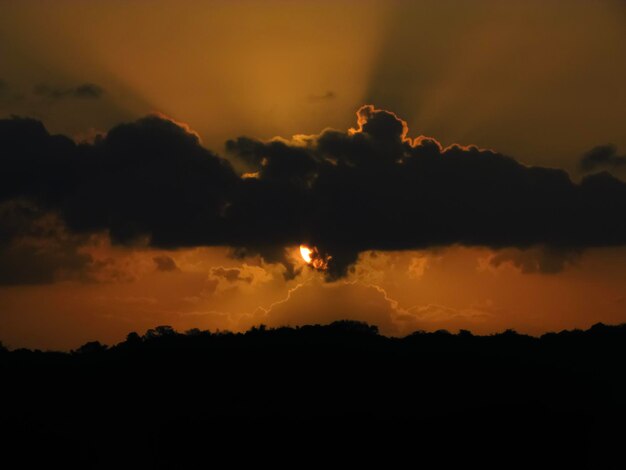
[339, 394]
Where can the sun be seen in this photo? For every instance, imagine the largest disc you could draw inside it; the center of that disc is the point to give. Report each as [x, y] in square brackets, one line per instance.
[306, 252]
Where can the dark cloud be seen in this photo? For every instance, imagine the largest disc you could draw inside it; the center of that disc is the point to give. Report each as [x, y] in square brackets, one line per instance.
[36, 249]
[271, 254]
[149, 178]
[165, 263]
[374, 188]
[541, 259]
[231, 274]
[603, 157]
[370, 188]
[83, 91]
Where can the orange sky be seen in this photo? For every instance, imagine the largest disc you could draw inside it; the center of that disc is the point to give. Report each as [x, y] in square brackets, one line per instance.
[400, 291]
[541, 81]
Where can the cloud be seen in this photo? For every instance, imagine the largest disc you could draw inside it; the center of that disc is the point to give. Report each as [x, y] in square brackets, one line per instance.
[602, 156]
[36, 249]
[270, 254]
[243, 279]
[231, 274]
[165, 263]
[541, 259]
[373, 187]
[418, 266]
[82, 91]
[318, 303]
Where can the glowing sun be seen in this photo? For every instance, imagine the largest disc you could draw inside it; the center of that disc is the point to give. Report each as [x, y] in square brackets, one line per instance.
[306, 253]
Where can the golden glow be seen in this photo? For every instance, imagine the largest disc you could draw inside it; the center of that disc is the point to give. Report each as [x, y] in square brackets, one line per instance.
[314, 258]
[306, 253]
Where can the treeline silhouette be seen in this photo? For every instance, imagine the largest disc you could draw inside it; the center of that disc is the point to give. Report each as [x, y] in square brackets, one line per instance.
[339, 394]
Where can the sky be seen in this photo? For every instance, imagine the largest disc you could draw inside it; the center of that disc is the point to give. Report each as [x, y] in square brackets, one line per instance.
[451, 164]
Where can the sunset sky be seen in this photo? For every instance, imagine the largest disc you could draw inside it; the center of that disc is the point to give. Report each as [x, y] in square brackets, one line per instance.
[450, 164]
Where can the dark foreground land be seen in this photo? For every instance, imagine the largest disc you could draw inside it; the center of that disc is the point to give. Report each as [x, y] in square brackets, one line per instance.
[327, 396]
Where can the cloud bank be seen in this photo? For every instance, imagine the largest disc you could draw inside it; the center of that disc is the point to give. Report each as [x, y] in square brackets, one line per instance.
[372, 187]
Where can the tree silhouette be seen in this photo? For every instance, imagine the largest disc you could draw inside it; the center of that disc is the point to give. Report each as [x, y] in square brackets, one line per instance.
[339, 393]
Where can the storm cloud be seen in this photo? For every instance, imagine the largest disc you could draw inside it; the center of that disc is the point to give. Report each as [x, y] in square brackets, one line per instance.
[372, 187]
